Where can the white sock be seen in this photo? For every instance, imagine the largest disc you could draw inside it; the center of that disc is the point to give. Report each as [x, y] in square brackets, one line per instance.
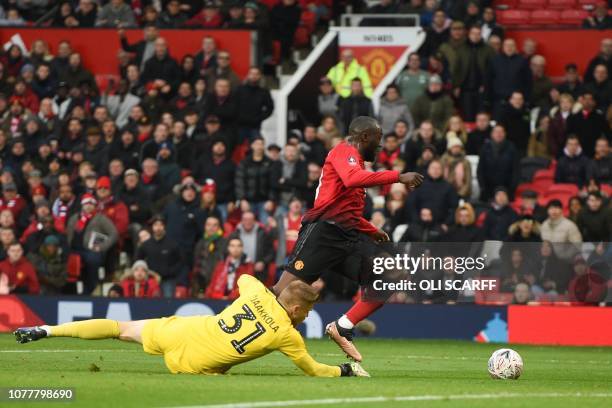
[345, 323]
[47, 329]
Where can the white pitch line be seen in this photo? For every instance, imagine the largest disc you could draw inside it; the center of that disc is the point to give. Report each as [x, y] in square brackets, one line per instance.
[427, 357]
[407, 398]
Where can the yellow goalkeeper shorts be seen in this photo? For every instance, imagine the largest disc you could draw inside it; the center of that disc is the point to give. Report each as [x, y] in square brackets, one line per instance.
[173, 337]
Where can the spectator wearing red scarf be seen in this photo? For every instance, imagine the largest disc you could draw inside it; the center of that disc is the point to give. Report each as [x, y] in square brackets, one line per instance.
[140, 282]
[228, 271]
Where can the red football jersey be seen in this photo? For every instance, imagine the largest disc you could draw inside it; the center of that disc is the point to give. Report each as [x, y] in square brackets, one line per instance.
[341, 193]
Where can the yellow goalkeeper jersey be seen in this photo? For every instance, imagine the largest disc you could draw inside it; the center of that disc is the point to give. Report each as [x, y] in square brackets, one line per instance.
[254, 325]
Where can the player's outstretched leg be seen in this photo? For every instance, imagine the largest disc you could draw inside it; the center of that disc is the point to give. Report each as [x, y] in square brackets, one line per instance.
[93, 329]
[341, 330]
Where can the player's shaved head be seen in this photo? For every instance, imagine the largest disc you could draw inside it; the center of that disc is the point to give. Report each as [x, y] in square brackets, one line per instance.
[365, 134]
[363, 124]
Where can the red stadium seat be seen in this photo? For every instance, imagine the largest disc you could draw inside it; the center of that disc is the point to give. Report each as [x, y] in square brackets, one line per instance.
[542, 185]
[506, 4]
[607, 188]
[531, 4]
[573, 17]
[513, 17]
[270, 3]
[562, 188]
[544, 17]
[524, 187]
[561, 4]
[545, 174]
[587, 4]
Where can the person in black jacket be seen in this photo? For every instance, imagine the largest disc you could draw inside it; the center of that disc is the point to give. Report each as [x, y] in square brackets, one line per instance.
[515, 119]
[573, 166]
[163, 255]
[162, 69]
[508, 72]
[588, 125]
[480, 133]
[127, 149]
[356, 104]
[137, 201]
[221, 170]
[604, 57]
[465, 228]
[288, 177]
[595, 219]
[601, 87]
[284, 21]
[253, 181]
[601, 165]
[435, 193]
[424, 229]
[223, 104]
[86, 13]
[436, 35]
[185, 220]
[499, 217]
[207, 57]
[312, 148]
[255, 105]
[498, 164]
[144, 49]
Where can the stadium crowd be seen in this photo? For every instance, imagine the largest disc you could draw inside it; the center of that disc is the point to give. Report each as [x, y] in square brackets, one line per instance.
[163, 184]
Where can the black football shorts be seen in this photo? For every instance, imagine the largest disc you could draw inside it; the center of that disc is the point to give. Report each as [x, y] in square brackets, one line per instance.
[322, 245]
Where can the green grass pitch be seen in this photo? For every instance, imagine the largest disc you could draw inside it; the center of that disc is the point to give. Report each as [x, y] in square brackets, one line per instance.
[415, 373]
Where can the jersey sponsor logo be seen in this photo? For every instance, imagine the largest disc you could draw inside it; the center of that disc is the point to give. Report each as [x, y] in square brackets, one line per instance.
[298, 265]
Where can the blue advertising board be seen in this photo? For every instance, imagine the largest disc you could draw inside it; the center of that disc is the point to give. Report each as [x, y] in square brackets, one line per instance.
[467, 322]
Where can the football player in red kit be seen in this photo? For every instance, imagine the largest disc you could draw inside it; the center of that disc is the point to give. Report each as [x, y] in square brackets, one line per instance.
[332, 230]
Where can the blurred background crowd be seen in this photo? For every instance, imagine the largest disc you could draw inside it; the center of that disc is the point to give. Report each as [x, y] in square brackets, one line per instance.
[160, 183]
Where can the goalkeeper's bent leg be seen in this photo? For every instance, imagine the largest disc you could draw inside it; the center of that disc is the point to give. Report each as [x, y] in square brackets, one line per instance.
[94, 329]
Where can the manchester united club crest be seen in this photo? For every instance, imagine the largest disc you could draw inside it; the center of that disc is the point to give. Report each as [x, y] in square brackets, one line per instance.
[298, 265]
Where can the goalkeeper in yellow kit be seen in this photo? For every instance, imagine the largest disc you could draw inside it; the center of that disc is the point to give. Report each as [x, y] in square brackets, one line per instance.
[254, 325]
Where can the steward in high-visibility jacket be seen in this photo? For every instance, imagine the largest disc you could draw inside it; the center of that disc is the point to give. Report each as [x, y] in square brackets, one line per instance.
[341, 78]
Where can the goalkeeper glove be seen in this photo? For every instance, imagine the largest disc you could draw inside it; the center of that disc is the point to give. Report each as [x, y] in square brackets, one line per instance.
[352, 370]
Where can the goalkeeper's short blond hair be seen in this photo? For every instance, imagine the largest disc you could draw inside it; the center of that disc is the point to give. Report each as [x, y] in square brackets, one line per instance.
[299, 293]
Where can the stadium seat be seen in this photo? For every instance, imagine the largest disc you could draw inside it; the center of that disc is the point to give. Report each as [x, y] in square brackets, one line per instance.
[531, 4]
[506, 4]
[544, 17]
[544, 174]
[607, 189]
[564, 188]
[529, 165]
[561, 4]
[524, 187]
[270, 3]
[542, 185]
[587, 4]
[573, 17]
[513, 17]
